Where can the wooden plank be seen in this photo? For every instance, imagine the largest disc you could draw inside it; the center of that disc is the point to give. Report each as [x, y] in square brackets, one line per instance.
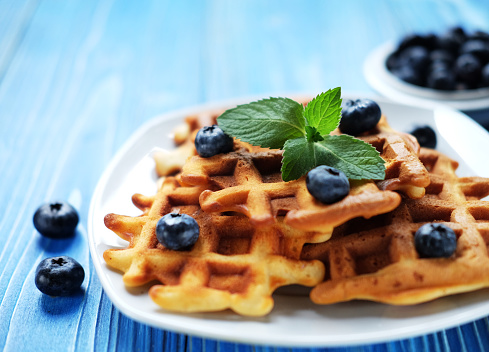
[79, 77]
[14, 22]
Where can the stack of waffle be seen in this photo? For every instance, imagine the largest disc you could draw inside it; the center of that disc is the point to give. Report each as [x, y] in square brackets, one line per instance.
[258, 233]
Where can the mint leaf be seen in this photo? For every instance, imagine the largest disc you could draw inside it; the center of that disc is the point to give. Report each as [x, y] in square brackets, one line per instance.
[298, 158]
[324, 111]
[268, 123]
[304, 134]
[312, 134]
[357, 159]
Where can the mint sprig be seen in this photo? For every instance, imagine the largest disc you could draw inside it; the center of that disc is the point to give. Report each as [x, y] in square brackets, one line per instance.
[268, 123]
[304, 135]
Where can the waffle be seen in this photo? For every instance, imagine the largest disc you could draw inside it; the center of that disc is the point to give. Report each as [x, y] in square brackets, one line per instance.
[250, 183]
[376, 259]
[404, 171]
[169, 162]
[233, 264]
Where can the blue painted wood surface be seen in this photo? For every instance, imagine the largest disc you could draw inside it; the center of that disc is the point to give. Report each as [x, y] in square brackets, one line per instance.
[78, 77]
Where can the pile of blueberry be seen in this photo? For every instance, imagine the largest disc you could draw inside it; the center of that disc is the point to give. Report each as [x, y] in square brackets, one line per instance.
[454, 60]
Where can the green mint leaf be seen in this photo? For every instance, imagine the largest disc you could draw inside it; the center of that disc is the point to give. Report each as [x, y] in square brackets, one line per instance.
[324, 111]
[298, 158]
[268, 123]
[304, 134]
[313, 135]
[356, 158]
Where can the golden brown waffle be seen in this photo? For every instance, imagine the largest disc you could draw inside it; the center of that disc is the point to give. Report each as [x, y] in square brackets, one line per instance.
[250, 183]
[171, 161]
[404, 171]
[233, 264]
[376, 259]
[399, 149]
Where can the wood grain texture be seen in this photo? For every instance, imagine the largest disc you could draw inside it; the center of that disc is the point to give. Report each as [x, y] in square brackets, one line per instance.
[78, 77]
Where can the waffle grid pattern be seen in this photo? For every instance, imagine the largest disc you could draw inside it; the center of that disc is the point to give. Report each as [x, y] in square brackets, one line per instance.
[376, 259]
[250, 183]
[233, 264]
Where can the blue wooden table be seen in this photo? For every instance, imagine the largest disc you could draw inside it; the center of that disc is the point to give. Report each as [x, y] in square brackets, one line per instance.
[78, 77]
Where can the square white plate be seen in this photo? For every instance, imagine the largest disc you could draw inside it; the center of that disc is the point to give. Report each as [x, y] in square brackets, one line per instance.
[294, 321]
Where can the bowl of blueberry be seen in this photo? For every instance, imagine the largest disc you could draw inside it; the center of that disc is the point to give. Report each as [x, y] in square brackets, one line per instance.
[450, 68]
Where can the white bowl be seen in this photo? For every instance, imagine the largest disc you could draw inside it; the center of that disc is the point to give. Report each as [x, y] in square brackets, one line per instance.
[384, 82]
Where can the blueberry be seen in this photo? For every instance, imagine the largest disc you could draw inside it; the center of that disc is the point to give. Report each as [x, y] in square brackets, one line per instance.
[439, 65]
[442, 79]
[359, 116]
[435, 241]
[441, 55]
[416, 57]
[56, 220]
[177, 231]
[460, 86]
[59, 276]
[327, 184]
[430, 41]
[451, 40]
[392, 61]
[485, 76]
[411, 40]
[468, 69]
[479, 35]
[457, 32]
[409, 75]
[211, 140]
[478, 48]
[425, 135]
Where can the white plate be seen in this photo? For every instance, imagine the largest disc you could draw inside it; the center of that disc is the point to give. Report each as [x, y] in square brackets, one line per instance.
[384, 82]
[295, 321]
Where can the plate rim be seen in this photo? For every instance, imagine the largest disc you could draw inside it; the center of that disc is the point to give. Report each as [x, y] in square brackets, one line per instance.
[178, 328]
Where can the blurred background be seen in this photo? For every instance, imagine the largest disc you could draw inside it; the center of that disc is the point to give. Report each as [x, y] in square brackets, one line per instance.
[78, 77]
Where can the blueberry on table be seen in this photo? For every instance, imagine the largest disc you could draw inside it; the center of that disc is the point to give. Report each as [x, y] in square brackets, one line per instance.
[468, 68]
[425, 135]
[211, 140]
[327, 184]
[177, 232]
[435, 241]
[59, 276]
[56, 220]
[359, 116]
